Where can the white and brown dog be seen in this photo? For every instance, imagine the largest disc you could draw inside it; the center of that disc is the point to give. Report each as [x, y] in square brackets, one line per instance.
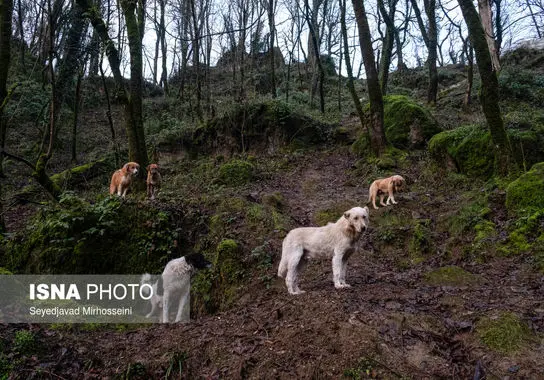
[153, 180]
[122, 178]
[383, 186]
[335, 240]
[174, 281]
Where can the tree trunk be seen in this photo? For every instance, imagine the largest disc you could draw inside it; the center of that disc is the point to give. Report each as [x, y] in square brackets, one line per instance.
[272, 27]
[486, 17]
[430, 10]
[430, 38]
[376, 130]
[315, 44]
[6, 11]
[349, 70]
[489, 91]
[387, 48]
[470, 77]
[134, 11]
[162, 28]
[132, 104]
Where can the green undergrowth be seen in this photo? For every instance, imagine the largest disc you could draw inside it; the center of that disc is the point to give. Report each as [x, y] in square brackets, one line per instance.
[109, 235]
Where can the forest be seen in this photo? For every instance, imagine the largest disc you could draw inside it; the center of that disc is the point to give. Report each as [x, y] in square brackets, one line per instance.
[264, 116]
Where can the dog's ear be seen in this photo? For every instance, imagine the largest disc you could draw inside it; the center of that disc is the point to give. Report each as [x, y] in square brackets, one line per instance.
[148, 167]
[366, 209]
[126, 166]
[346, 215]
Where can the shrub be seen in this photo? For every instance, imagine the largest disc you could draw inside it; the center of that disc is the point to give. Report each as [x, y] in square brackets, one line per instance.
[108, 236]
[236, 172]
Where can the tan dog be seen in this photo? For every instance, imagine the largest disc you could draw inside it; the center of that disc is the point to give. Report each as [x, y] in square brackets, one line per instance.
[385, 185]
[153, 180]
[121, 179]
[335, 240]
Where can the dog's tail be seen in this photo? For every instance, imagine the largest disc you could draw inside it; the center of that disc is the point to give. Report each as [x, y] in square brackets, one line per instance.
[146, 279]
[282, 268]
[370, 191]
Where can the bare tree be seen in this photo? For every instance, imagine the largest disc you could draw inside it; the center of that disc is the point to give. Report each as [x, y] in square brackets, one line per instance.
[131, 98]
[489, 91]
[430, 37]
[376, 130]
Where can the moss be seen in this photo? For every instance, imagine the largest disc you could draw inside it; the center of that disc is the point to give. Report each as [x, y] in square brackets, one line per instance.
[468, 148]
[4, 271]
[236, 172]
[506, 334]
[407, 124]
[526, 192]
[361, 146]
[450, 275]
[274, 200]
[77, 236]
[25, 342]
[421, 241]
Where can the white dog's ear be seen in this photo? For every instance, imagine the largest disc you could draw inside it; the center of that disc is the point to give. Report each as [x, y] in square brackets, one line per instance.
[346, 215]
[366, 209]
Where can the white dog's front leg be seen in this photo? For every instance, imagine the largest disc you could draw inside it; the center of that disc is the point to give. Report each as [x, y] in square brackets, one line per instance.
[338, 272]
[165, 306]
[184, 310]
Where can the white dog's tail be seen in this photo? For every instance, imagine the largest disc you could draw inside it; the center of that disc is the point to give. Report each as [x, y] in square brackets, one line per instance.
[147, 279]
[282, 268]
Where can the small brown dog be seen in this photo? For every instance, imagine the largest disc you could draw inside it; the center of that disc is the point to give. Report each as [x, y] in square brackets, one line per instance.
[385, 185]
[153, 180]
[121, 179]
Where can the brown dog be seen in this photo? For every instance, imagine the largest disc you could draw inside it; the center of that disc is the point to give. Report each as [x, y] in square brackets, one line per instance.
[121, 179]
[153, 180]
[385, 185]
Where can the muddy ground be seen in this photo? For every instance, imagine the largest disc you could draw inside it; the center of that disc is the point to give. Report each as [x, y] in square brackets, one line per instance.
[390, 324]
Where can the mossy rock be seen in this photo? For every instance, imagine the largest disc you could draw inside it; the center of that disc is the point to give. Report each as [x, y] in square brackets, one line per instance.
[505, 334]
[527, 192]
[469, 149]
[466, 149]
[450, 275]
[257, 127]
[407, 124]
[236, 172]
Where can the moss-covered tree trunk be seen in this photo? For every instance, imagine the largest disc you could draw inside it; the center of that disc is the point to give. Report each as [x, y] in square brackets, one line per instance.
[134, 12]
[132, 102]
[489, 90]
[6, 11]
[376, 129]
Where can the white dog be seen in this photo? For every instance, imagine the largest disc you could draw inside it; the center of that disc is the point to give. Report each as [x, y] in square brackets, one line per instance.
[175, 280]
[334, 240]
[156, 299]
